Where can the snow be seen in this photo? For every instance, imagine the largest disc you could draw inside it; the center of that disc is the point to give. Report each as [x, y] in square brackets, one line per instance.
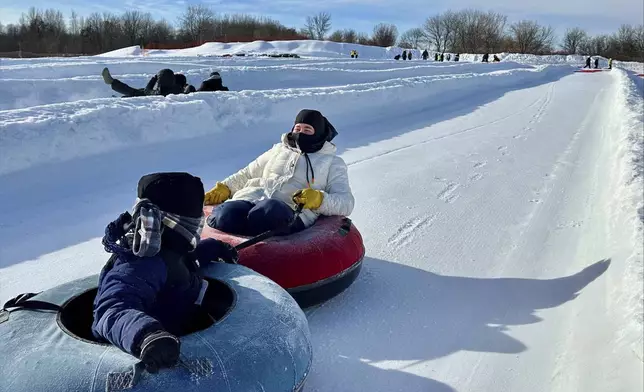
[501, 204]
[308, 48]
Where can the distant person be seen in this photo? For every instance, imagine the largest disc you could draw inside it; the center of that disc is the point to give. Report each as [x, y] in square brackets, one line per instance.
[486, 58]
[496, 59]
[449, 57]
[397, 57]
[596, 62]
[588, 63]
[442, 58]
[214, 83]
[404, 55]
[163, 83]
[409, 55]
[435, 56]
[610, 63]
[425, 54]
[457, 57]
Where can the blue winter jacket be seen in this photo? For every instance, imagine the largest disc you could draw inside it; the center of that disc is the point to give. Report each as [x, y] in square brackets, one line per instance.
[142, 295]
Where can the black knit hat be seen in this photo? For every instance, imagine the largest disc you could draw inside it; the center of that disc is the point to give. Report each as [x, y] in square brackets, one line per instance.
[176, 193]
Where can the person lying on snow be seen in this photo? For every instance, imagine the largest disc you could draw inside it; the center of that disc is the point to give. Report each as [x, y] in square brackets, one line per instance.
[302, 169]
[151, 286]
[213, 83]
[163, 83]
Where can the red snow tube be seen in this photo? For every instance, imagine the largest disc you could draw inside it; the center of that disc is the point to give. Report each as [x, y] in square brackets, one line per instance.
[589, 70]
[313, 265]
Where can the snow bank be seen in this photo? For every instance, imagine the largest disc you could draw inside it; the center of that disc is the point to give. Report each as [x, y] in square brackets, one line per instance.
[65, 131]
[632, 66]
[630, 204]
[21, 87]
[307, 48]
[328, 49]
[125, 52]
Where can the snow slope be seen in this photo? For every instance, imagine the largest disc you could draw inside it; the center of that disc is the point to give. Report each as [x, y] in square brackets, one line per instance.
[57, 82]
[328, 49]
[26, 83]
[308, 48]
[499, 208]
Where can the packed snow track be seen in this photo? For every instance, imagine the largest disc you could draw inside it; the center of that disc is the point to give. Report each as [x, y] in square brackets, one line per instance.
[501, 254]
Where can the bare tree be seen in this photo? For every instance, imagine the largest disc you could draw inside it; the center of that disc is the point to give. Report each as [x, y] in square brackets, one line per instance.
[160, 32]
[336, 36]
[196, 22]
[627, 41]
[639, 36]
[531, 37]
[363, 39]
[349, 36]
[439, 30]
[318, 26]
[573, 39]
[493, 31]
[74, 24]
[412, 38]
[384, 35]
[434, 30]
[133, 26]
[475, 31]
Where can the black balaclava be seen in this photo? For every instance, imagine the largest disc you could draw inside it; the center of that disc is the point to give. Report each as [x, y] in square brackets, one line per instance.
[311, 143]
[324, 132]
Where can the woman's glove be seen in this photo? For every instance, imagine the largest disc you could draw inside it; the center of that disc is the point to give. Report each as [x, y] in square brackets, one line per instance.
[311, 198]
[218, 194]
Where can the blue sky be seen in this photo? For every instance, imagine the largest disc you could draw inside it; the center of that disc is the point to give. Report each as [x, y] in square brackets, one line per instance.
[596, 16]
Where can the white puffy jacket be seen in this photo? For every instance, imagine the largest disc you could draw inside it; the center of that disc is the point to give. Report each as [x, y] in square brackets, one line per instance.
[281, 171]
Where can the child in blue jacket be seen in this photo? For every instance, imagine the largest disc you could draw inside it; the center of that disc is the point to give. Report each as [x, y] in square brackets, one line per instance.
[151, 286]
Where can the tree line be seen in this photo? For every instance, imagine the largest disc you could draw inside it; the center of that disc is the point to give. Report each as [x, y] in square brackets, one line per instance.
[49, 32]
[465, 31]
[475, 31]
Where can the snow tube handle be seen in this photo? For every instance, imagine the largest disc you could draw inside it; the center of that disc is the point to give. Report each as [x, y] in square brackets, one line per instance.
[22, 302]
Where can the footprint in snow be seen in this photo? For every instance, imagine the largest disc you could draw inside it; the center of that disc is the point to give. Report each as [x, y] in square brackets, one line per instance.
[448, 194]
[479, 164]
[405, 233]
[475, 177]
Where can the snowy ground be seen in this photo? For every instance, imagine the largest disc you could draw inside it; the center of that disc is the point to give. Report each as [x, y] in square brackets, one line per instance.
[501, 204]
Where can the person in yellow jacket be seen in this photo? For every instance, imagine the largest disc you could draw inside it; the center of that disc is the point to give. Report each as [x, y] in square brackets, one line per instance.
[303, 168]
[610, 63]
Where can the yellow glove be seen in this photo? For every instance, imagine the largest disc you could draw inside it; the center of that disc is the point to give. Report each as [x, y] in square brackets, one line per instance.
[311, 198]
[218, 194]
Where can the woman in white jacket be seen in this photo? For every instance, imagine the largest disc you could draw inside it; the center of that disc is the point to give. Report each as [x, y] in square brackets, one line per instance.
[303, 168]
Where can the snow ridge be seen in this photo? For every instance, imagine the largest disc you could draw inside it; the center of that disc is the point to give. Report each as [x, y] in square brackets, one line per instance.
[64, 131]
[631, 198]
